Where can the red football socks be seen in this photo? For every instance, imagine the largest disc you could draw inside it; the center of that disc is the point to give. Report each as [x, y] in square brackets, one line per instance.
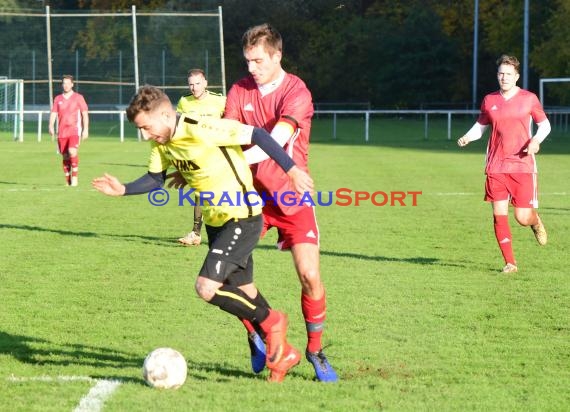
[504, 237]
[314, 312]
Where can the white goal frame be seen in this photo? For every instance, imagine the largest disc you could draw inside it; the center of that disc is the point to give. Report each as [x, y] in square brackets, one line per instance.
[15, 107]
[549, 80]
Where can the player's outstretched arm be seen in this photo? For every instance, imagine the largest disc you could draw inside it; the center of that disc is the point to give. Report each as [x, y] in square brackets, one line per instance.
[109, 185]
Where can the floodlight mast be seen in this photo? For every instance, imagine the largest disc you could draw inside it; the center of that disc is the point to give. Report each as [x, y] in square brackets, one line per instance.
[475, 52]
[49, 58]
[525, 45]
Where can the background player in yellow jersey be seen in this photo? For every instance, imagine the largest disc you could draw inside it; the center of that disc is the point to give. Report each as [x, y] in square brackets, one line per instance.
[207, 153]
[199, 103]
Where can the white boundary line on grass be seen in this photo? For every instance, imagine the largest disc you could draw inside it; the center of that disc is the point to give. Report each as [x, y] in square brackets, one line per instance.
[93, 401]
[59, 378]
[478, 193]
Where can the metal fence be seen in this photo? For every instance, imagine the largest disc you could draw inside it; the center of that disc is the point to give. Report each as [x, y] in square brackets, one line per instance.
[110, 54]
[430, 120]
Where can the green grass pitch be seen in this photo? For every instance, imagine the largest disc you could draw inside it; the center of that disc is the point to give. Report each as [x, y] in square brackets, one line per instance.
[419, 317]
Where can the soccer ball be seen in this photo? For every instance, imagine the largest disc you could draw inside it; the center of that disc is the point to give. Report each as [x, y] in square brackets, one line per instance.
[165, 368]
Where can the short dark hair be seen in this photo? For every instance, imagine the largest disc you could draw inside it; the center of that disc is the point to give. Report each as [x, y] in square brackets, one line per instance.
[265, 35]
[146, 99]
[509, 60]
[195, 72]
[67, 76]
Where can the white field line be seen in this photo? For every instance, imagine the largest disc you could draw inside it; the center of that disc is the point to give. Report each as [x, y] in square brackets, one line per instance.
[60, 378]
[93, 401]
[482, 193]
[40, 189]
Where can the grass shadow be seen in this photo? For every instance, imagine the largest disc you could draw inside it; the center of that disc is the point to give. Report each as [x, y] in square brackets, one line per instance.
[420, 260]
[37, 351]
[163, 241]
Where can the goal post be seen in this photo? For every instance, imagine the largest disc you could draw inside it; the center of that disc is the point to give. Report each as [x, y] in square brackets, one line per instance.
[558, 112]
[549, 80]
[12, 107]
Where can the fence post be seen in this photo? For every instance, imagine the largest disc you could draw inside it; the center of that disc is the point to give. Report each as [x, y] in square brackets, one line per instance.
[122, 125]
[334, 126]
[39, 126]
[367, 126]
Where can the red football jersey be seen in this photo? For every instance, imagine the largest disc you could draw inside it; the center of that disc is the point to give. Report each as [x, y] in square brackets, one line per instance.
[511, 129]
[69, 114]
[292, 100]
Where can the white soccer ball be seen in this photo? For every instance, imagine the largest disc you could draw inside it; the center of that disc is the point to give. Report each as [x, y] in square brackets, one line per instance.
[165, 368]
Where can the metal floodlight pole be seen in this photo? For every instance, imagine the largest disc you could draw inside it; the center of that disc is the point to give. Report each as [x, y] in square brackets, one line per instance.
[77, 68]
[525, 44]
[48, 40]
[475, 52]
[135, 47]
[223, 61]
[136, 56]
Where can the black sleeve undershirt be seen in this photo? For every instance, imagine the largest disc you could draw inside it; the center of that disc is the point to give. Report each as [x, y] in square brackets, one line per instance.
[260, 137]
[145, 183]
[264, 140]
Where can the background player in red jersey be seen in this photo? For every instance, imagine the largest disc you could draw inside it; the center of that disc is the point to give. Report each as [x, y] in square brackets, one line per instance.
[280, 103]
[510, 164]
[72, 116]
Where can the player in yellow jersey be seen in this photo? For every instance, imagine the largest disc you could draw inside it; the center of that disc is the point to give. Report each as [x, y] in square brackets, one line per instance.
[207, 153]
[199, 103]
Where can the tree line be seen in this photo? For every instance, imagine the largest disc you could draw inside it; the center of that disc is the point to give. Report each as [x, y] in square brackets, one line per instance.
[390, 53]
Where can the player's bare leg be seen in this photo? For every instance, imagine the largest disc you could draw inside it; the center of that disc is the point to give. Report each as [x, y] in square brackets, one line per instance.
[313, 304]
[527, 216]
[74, 162]
[66, 168]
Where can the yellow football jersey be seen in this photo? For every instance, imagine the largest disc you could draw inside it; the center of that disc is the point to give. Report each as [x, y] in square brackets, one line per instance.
[208, 154]
[212, 105]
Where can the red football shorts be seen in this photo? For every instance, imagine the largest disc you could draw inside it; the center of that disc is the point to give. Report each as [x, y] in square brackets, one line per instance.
[520, 188]
[63, 144]
[292, 229]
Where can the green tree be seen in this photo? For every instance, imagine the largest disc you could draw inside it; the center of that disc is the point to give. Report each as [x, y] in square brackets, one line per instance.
[551, 55]
[421, 62]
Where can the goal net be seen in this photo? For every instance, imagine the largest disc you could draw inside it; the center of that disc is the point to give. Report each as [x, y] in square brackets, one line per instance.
[12, 108]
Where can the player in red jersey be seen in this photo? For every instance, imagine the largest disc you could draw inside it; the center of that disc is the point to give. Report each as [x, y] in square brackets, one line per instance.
[510, 164]
[71, 112]
[281, 103]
